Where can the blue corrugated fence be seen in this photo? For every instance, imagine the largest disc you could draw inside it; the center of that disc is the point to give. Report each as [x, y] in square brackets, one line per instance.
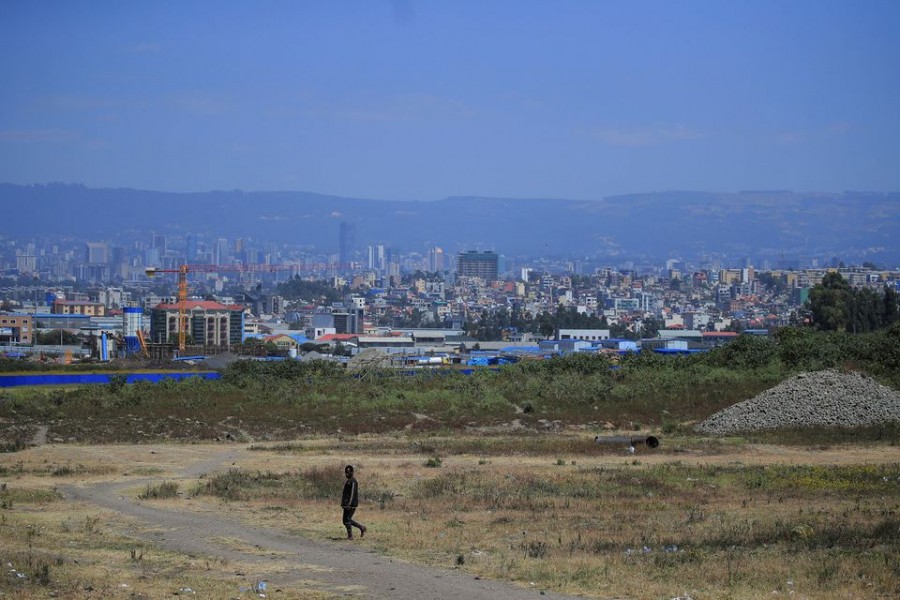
[92, 378]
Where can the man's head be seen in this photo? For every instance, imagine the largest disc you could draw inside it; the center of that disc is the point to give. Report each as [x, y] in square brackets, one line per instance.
[348, 471]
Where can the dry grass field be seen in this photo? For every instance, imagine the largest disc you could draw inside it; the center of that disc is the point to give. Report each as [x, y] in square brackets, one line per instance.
[694, 518]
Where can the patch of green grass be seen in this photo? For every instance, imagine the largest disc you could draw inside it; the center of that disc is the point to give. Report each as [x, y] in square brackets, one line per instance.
[13, 496]
[860, 480]
[286, 448]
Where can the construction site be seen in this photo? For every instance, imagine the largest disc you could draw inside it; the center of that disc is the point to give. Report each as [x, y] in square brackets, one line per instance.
[176, 328]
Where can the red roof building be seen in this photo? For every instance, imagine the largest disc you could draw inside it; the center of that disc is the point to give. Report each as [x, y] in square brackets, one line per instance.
[209, 323]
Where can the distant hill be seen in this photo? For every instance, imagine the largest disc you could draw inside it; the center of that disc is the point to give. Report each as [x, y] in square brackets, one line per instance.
[777, 225]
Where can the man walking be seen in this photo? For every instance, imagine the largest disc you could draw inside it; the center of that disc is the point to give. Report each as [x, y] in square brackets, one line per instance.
[349, 502]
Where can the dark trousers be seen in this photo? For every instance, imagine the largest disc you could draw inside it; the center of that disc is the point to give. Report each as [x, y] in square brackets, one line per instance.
[349, 523]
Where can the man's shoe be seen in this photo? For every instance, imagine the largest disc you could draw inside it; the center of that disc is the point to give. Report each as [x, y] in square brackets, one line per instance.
[362, 531]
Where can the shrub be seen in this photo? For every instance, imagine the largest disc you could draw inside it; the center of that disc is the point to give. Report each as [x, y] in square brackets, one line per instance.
[168, 489]
[746, 352]
[232, 485]
[117, 382]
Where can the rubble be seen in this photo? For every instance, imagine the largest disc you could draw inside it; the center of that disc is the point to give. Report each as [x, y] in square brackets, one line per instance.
[818, 399]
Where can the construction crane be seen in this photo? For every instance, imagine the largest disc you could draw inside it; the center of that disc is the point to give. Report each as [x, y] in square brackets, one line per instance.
[144, 352]
[183, 271]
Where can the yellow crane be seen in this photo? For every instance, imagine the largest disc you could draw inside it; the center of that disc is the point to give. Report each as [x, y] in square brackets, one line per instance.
[183, 270]
[182, 298]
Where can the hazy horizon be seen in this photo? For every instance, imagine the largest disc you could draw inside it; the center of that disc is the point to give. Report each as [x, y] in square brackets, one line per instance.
[438, 199]
[857, 227]
[406, 100]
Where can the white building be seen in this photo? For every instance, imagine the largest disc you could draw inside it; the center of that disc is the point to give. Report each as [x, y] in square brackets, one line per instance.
[590, 335]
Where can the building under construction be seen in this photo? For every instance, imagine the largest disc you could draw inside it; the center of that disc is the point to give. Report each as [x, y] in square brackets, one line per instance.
[478, 264]
[208, 323]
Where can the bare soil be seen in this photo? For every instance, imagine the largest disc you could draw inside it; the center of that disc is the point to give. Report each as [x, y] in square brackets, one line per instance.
[204, 530]
[340, 566]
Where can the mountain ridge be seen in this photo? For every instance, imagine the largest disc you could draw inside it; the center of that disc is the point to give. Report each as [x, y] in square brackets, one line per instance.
[764, 224]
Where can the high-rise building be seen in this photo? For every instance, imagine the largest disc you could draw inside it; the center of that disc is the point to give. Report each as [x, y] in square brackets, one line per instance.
[26, 263]
[97, 253]
[478, 264]
[220, 252]
[191, 248]
[348, 319]
[436, 260]
[377, 257]
[158, 241]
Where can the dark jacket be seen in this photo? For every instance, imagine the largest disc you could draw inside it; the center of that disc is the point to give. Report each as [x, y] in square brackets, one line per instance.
[350, 497]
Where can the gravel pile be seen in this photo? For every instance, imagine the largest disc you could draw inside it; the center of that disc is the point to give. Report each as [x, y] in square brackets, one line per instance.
[823, 398]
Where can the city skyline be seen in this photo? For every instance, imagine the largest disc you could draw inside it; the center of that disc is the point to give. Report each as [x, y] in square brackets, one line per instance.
[781, 227]
[405, 100]
[240, 261]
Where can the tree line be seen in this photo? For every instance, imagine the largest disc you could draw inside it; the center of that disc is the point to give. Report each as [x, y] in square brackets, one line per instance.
[497, 324]
[834, 305]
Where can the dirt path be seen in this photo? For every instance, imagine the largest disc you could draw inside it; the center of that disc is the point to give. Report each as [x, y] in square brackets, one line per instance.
[341, 567]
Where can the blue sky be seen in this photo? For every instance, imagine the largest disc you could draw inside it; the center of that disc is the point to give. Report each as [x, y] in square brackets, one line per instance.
[422, 100]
